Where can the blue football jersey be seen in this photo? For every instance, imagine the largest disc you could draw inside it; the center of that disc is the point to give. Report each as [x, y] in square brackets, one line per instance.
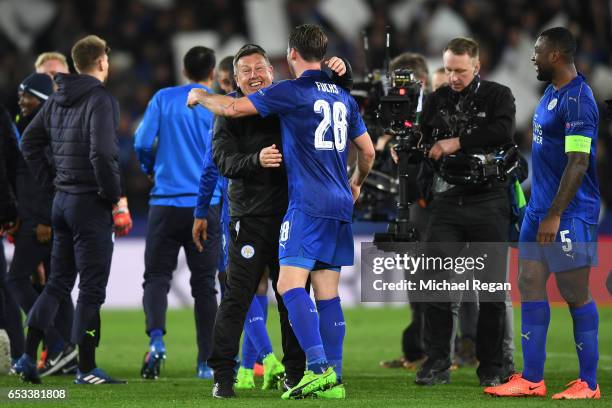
[566, 119]
[317, 120]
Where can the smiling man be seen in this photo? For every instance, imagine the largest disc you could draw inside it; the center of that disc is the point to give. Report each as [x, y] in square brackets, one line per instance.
[248, 151]
[562, 214]
[249, 162]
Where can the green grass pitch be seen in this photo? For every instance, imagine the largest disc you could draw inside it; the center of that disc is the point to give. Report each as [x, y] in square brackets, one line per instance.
[372, 335]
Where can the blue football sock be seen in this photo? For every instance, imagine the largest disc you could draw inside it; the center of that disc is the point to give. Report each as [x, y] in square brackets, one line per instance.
[305, 323]
[586, 323]
[156, 335]
[534, 327]
[263, 302]
[249, 353]
[255, 330]
[333, 329]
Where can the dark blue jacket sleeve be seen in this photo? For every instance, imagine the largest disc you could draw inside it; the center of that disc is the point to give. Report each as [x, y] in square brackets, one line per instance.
[208, 182]
[104, 148]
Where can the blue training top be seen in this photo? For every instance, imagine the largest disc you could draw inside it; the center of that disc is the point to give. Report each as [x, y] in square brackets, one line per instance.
[171, 142]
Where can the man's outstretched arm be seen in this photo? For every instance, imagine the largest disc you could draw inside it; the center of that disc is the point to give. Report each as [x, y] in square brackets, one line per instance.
[221, 105]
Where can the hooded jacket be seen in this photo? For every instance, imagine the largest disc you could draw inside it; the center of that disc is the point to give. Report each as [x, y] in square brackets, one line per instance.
[80, 123]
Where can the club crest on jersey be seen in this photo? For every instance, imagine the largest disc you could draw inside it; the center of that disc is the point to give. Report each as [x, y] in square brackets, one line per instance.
[247, 251]
[552, 104]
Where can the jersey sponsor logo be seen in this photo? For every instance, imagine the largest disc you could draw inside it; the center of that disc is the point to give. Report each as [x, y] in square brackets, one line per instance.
[247, 251]
[575, 123]
[552, 104]
[537, 132]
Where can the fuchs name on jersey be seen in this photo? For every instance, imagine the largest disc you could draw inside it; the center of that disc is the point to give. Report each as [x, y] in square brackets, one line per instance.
[324, 87]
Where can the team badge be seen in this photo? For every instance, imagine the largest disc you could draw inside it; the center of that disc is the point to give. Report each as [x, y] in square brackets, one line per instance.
[552, 104]
[247, 251]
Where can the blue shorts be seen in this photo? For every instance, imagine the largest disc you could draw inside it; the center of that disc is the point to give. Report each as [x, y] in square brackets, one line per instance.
[307, 263]
[313, 242]
[575, 244]
[224, 252]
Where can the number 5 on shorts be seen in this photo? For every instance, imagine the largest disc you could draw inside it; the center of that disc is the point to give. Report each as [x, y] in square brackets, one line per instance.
[567, 242]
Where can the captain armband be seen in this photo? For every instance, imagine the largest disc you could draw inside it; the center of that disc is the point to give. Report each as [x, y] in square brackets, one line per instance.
[577, 143]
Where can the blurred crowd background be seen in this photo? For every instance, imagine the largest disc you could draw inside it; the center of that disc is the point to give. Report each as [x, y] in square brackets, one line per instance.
[149, 37]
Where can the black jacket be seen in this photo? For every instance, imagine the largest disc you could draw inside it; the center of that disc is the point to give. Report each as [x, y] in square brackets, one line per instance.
[8, 163]
[33, 201]
[80, 123]
[253, 190]
[493, 114]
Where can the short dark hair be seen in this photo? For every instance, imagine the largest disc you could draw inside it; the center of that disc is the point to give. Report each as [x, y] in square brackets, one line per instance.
[199, 63]
[246, 50]
[226, 64]
[412, 61]
[462, 46]
[561, 39]
[310, 42]
[86, 52]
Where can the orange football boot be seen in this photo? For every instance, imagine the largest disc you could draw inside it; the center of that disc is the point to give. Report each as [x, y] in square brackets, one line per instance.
[43, 357]
[258, 370]
[578, 389]
[517, 386]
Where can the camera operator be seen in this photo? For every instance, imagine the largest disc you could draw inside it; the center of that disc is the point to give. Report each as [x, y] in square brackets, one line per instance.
[466, 213]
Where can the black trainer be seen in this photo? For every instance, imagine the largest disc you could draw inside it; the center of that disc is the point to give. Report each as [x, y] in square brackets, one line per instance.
[56, 362]
[507, 370]
[487, 380]
[433, 372]
[224, 389]
[70, 368]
